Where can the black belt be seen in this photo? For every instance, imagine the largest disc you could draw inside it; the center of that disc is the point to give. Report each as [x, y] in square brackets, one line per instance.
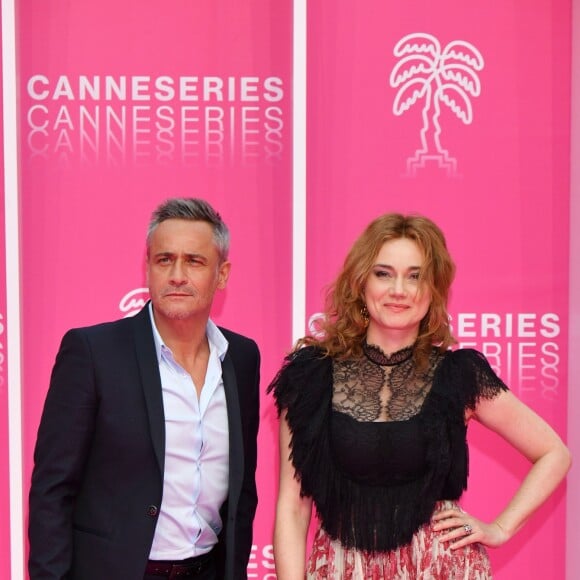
[179, 568]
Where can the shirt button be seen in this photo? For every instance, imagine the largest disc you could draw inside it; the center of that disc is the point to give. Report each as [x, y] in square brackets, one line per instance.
[152, 511]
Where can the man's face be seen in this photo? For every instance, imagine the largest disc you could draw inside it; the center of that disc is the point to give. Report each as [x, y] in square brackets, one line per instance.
[184, 269]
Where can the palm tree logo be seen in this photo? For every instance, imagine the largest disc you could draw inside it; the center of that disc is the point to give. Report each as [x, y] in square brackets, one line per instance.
[439, 77]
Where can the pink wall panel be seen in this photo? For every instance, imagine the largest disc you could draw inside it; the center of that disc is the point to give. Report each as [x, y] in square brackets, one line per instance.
[123, 105]
[459, 111]
[4, 441]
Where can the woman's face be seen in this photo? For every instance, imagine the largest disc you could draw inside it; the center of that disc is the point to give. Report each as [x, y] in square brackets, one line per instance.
[392, 293]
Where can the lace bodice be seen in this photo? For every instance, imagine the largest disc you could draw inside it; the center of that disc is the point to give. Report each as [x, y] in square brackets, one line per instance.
[378, 387]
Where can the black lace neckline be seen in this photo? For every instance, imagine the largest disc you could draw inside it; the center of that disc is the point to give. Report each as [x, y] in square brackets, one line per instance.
[375, 354]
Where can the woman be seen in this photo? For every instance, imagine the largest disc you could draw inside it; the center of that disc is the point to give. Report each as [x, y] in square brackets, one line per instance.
[373, 423]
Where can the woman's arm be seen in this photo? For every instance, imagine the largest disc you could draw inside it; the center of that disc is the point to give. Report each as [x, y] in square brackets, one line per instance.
[292, 516]
[527, 432]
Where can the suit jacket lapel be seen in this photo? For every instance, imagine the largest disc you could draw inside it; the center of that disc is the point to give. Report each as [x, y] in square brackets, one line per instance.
[150, 381]
[235, 430]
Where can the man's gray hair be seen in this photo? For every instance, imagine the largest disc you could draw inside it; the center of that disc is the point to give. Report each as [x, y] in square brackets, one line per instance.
[192, 209]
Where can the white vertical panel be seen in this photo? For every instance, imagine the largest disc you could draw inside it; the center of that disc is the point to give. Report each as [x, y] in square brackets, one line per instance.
[299, 171]
[573, 497]
[12, 288]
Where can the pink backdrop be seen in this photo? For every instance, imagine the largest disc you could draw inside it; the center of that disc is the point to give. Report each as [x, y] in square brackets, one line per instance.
[4, 481]
[123, 104]
[459, 111]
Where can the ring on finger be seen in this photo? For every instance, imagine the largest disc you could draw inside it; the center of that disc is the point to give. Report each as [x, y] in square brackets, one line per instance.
[468, 529]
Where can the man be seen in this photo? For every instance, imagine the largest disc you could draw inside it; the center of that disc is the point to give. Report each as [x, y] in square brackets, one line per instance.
[146, 452]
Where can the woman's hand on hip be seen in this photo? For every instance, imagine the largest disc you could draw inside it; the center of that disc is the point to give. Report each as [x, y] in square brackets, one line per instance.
[461, 529]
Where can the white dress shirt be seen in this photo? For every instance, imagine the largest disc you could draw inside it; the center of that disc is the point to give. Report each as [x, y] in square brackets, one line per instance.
[195, 481]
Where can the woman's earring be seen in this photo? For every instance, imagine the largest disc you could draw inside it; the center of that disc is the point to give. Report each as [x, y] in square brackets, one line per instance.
[364, 312]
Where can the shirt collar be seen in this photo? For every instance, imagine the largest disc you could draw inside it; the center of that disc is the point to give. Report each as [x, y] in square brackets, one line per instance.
[217, 341]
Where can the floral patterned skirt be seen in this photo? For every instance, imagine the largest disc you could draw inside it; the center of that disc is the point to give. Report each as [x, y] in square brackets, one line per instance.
[424, 558]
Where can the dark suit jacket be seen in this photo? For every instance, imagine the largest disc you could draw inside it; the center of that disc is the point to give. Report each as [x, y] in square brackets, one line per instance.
[99, 458]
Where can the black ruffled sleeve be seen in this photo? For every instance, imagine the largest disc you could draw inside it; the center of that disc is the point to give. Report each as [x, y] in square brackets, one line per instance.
[462, 379]
[303, 370]
[303, 388]
[471, 378]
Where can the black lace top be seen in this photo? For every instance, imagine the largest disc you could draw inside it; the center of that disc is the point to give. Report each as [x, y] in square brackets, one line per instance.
[377, 443]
